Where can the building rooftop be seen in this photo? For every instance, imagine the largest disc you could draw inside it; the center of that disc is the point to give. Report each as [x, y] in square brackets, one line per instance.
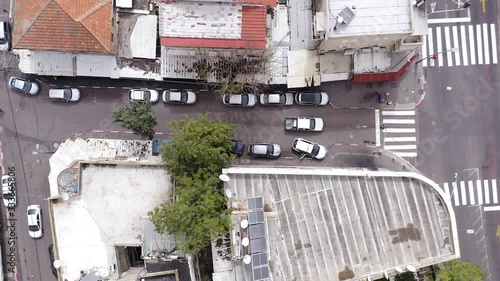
[336, 224]
[370, 17]
[212, 25]
[63, 25]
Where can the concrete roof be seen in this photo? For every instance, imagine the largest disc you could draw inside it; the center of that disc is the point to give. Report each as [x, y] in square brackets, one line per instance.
[371, 17]
[336, 224]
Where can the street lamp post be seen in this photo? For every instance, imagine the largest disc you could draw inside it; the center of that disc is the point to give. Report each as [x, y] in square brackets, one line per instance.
[435, 56]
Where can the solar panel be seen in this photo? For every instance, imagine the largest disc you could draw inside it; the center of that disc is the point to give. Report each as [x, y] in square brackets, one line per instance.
[256, 216]
[255, 203]
[260, 273]
[258, 245]
[257, 231]
[260, 266]
[259, 259]
[347, 14]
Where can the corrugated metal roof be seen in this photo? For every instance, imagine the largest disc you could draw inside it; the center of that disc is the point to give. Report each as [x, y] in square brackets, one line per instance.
[302, 71]
[178, 63]
[281, 27]
[46, 62]
[156, 242]
[111, 149]
[143, 37]
[96, 65]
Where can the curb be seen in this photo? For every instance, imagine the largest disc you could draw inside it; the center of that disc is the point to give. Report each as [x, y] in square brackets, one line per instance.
[423, 89]
[354, 145]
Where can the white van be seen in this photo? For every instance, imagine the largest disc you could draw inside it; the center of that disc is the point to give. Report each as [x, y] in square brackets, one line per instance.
[4, 36]
[9, 191]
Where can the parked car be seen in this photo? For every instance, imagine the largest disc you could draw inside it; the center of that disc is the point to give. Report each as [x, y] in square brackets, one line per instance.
[64, 94]
[312, 98]
[242, 100]
[237, 147]
[9, 191]
[314, 124]
[5, 36]
[35, 221]
[266, 150]
[276, 98]
[143, 95]
[310, 148]
[24, 86]
[179, 97]
[51, 257]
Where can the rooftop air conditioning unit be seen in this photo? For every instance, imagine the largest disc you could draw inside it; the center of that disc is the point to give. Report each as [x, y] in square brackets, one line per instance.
[319, 23]
[366, 50]
[349, 52]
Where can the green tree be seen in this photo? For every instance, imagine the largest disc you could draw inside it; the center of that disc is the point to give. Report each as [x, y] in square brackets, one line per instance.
[199, 145]
[457, 270]
[196, 216]
[137, 117]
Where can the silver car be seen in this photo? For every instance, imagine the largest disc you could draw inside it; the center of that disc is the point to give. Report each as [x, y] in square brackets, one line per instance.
[35, 229]
[266, 150]
[179, 97]
[241, 100]
[64, 94]
[143, 95]
[24, 86]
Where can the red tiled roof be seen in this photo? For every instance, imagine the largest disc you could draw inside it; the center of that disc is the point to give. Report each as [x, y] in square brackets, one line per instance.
[63, 25]
[253, 34]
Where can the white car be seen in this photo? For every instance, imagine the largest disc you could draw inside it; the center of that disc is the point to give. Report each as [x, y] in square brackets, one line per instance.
[241, 100]
[23, 85]
[9, 191]
[64, 94]
[35, 229]
[276, 98]
[311, 124]
[309, 148]
[5, 36]
[143, 95]
[179, 97]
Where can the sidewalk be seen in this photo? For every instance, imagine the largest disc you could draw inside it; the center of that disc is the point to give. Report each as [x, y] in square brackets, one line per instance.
[406, 93]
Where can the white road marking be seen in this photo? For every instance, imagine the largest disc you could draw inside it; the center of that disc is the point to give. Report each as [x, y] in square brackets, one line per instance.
[405, 154]
[400, 130]
[491, 208]
[400, 147]
[424, 49]
[456, 199]
[486, 44]
[486, 192]
[479, 192]
[495, 191]
[448, 20]
[439, 45]
[465, 57]
[431, 45]
[398, 121]
[479, 44]
[463, 193]
[471, 193]
[493, 43]
[447, 42]
[455, 45]
[398, 112]
[447, 190]
[377, 127]
[472, 45]
[395, 139]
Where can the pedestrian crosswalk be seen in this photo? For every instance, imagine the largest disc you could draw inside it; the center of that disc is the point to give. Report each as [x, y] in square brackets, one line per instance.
[399, 133]
[462, 45]
[472, 192]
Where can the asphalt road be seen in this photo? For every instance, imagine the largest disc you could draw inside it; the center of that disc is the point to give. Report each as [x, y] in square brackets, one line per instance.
[32, 127]
[459, 140]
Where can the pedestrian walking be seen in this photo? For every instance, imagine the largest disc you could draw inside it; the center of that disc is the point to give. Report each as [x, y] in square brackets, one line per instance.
[382, 127]
[1, 111]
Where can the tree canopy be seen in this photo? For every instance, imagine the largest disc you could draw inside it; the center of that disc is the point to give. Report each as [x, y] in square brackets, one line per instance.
[457, 270]
[137, 117]
[197, 213]
[199, 145]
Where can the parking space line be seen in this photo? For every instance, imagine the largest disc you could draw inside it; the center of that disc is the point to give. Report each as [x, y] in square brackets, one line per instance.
[479, 44]
[486, 44]
[447, 43]
[491, 208]
[494, 191]
[400, 147]
[472, 45]
[493, 43]
[439, 46]
[397, 139]
[449, 20]
[465, 58]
